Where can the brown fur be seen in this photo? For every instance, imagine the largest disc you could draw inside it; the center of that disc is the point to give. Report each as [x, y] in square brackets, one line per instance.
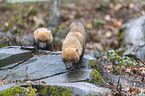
[74, 45]
[43, 34]
[43, 39]
[77, 27]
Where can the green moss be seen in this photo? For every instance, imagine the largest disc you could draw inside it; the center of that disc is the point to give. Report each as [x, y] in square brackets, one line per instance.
[98, 22]
[31, 92]
[67, 93]
[90, 95]
[44, 90]
[97, 77]
[3, 46]
[59, 91]
[93, 64]
[55, 91]
[18, 91]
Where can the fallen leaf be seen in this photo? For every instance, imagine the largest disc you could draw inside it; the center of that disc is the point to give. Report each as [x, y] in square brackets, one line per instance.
[117, 7]
[128, 70]
[132, 89]
[131, 5]
[142, 70]
[107, 17]
[39, 20]
[108, 34]
[117, 23]
[89, 25]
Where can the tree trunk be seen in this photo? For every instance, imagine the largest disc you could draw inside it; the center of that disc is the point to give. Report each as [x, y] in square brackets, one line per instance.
[54, 18]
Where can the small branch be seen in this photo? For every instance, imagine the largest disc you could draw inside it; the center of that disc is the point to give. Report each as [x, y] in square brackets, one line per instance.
[6, 75]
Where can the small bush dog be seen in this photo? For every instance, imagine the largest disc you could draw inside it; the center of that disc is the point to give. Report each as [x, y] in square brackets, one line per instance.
[43, 39]
[74, 45]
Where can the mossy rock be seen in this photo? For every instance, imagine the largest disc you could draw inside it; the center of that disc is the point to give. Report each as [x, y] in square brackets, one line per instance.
[3, 46]
[99, 74]
[18, 91]
[97, 77]
[54, 91]
[93, 64]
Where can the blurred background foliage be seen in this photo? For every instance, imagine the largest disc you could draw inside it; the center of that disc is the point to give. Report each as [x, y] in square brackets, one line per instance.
[101, 18]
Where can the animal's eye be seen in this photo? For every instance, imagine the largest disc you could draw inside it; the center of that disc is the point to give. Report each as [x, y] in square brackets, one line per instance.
[39, 40]
[64, 60]
[71, 60]
[45, 41]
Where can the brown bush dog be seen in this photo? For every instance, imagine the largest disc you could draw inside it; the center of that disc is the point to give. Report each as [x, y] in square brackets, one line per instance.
[74, 45]
[43, 39]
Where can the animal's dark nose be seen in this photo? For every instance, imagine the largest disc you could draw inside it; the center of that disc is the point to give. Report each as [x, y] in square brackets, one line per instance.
[68, 67]
[42, 47]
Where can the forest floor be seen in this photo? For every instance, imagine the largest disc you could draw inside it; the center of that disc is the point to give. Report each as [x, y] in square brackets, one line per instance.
[102, 21]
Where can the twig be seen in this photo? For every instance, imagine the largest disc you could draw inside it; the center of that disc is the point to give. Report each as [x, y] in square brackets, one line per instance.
[6, 75]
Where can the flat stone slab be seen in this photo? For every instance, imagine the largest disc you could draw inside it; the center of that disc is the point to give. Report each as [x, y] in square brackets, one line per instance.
[49, 68]
[72, 76]
[10, 55]
[85, 89]
[7, 86]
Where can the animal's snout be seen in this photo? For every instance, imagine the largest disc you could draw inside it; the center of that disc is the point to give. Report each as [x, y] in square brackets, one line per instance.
[42, 45]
